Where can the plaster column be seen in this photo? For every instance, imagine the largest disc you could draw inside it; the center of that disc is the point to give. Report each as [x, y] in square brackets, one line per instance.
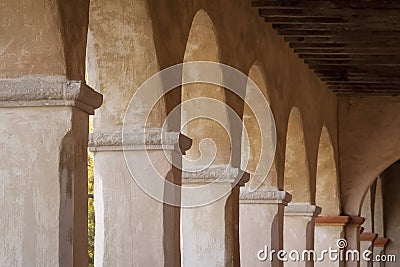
[328, 230]
[132, 227]
[299, 230]
[353, 238]
[43, 170]
[379, 249]
[209, 233]
[261, 226]
[367, 243]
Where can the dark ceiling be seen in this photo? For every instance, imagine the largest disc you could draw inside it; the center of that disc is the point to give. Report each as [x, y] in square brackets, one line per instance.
[353, 46]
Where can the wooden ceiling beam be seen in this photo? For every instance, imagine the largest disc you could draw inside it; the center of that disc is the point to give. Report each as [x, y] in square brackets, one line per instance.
[343, 34]
[327, 12]
[351, 56]
[374, 26]
[341, 62]
[345, 39]
[347, 50]
[334, 4]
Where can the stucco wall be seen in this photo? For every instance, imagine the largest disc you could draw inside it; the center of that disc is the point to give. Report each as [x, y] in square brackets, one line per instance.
[391, 185]
[369, 142]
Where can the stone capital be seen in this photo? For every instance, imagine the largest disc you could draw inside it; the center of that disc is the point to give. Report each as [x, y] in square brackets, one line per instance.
[146, 139]
[45, 91]
[302, 209]
[265, 197]
[332, 220]
[381, 242]
[216, 174]
[368, 236]
[356, 220]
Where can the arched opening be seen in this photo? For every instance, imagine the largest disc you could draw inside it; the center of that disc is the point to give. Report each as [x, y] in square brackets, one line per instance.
[300, 213]
[262, 171]
[211, 144]
[261, 222]
[327, 196]
[391, 203]
[207, 235]
[327, 187]
[296, 176]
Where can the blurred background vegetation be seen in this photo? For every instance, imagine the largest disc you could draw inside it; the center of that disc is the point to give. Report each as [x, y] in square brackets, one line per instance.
[90, 202]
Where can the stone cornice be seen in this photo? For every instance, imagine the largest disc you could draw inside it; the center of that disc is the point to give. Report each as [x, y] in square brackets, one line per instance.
[368, 236]
[381, 242]
[150, 139]
[216, 174]
[332, 220]
[356, 220]
[265, 197]
[39, 91]
[302, 209]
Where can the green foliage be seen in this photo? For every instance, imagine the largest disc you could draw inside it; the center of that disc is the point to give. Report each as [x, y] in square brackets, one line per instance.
[90, 210]
[90, 202]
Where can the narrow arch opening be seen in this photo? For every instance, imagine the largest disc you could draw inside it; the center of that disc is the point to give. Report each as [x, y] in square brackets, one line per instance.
[296, 177]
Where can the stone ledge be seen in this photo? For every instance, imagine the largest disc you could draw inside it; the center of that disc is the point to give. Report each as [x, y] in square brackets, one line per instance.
[368, 236]
[39, 91]
[216, 174]
[302, 209]
[381, 242]
[332, 220]
[149, 139]
[265, 197]
[356, 220]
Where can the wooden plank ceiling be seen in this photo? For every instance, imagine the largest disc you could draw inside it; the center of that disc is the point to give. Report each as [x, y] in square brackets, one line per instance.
[353, 46]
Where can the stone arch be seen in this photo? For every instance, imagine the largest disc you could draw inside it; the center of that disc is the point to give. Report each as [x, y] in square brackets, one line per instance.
[296, 175]
[251, 150]
[327, 185]
[210, 137]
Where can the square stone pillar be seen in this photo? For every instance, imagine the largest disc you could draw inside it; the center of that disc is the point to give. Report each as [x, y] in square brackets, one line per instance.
[299, 223]
[366, 248]
[261, 226]
[43, 170]
[379, 249]
[134, 226]
[328, 231]
[210, 216]
[353, 228]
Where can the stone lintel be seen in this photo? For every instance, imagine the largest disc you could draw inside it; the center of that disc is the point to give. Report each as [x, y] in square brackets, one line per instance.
[381, 242]
[48, 91]
[215, 174]
[265, 197]
[368, 236]
[148, 139]
[332, 220]
[302, 209]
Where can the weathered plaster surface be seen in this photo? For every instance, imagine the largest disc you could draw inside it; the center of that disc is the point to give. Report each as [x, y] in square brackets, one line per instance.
[369, 143]
[40, 37]
[391, 185]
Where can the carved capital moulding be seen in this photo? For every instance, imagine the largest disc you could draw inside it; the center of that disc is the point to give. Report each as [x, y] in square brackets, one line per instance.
[368, 236]
[338, 220]
[265, 197]
[215, 174]
[381, 242]
[149, 139]
[39, 91]
[302, 209]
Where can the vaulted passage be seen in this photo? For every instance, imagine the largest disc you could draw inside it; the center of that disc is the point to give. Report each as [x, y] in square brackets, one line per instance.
[223, 133]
